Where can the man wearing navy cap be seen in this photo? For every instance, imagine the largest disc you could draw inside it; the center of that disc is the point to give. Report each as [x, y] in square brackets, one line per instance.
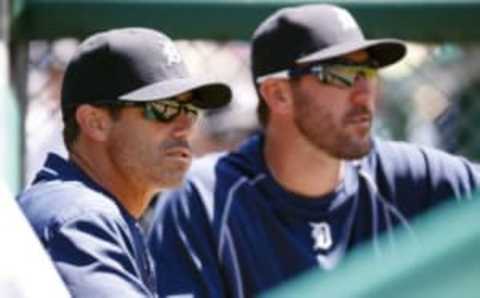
[313, 184]
[128, 106]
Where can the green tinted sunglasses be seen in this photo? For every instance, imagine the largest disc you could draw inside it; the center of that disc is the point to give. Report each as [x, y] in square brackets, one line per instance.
[165, 110]
[342, 75]
[168, 109]
[336, 74]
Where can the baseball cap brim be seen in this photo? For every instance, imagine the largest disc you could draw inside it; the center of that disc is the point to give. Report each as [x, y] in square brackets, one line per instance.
[384, 51]
[208, 94]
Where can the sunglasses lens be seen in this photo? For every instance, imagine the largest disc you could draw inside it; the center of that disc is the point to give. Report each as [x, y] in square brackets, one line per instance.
[168, 110]
[345, 76]
[163, 111]
[191, 111]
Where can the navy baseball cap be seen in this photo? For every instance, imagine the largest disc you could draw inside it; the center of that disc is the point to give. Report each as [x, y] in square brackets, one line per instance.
[314, 33]
[134, 64]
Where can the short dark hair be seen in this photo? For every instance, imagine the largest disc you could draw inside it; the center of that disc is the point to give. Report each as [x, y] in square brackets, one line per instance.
[262, 109]
[71, 129]
[263, 112]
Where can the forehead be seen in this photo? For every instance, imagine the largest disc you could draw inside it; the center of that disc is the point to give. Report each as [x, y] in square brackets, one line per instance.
[357, 56]
[186, 96]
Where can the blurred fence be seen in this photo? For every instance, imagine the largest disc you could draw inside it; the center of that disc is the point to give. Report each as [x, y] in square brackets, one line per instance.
[432, 97]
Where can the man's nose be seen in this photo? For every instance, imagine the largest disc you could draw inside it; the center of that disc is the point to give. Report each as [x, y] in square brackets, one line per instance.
[364, 90]
[183, 125]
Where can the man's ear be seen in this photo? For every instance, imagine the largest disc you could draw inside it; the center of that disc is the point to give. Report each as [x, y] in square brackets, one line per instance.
[277, 95]
[94, 122]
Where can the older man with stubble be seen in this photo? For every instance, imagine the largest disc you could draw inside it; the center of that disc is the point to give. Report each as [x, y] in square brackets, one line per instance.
[128, 106]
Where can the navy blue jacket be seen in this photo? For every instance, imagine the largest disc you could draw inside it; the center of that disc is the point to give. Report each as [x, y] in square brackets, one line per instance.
[97, 247]
[233, 231]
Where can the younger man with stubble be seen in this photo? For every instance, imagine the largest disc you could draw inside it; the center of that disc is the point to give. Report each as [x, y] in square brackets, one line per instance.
[313, 184]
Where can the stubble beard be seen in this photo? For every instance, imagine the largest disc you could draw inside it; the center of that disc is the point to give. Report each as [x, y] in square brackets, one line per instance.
[170, 173]
[336, 140]
[144, 166]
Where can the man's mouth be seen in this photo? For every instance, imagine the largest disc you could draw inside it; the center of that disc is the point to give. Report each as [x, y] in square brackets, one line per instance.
[364, 118]
[177, 149]
[179, 152]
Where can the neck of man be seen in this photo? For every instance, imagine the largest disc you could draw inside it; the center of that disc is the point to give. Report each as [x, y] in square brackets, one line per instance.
[126, 190]
[299, 167]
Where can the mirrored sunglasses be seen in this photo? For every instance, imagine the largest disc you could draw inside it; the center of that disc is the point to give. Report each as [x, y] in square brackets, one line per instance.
[168, 109]
[340, 75]
[343, 75]
[165, 110]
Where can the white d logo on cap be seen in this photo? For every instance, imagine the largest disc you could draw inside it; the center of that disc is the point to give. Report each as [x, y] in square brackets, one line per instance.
[171, 54]
[346, 20]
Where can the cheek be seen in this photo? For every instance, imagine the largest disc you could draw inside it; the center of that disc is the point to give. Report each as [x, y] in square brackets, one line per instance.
[332, 104]
[135, 143]
[123, 145]
[150, 145]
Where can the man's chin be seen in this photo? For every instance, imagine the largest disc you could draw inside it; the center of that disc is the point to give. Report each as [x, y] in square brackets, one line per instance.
[357, 155]
[170, 182]
[361, 150]
[354, 150]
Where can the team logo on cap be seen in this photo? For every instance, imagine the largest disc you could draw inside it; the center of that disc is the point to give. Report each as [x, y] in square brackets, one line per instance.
[171, 54]
[346, 20]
